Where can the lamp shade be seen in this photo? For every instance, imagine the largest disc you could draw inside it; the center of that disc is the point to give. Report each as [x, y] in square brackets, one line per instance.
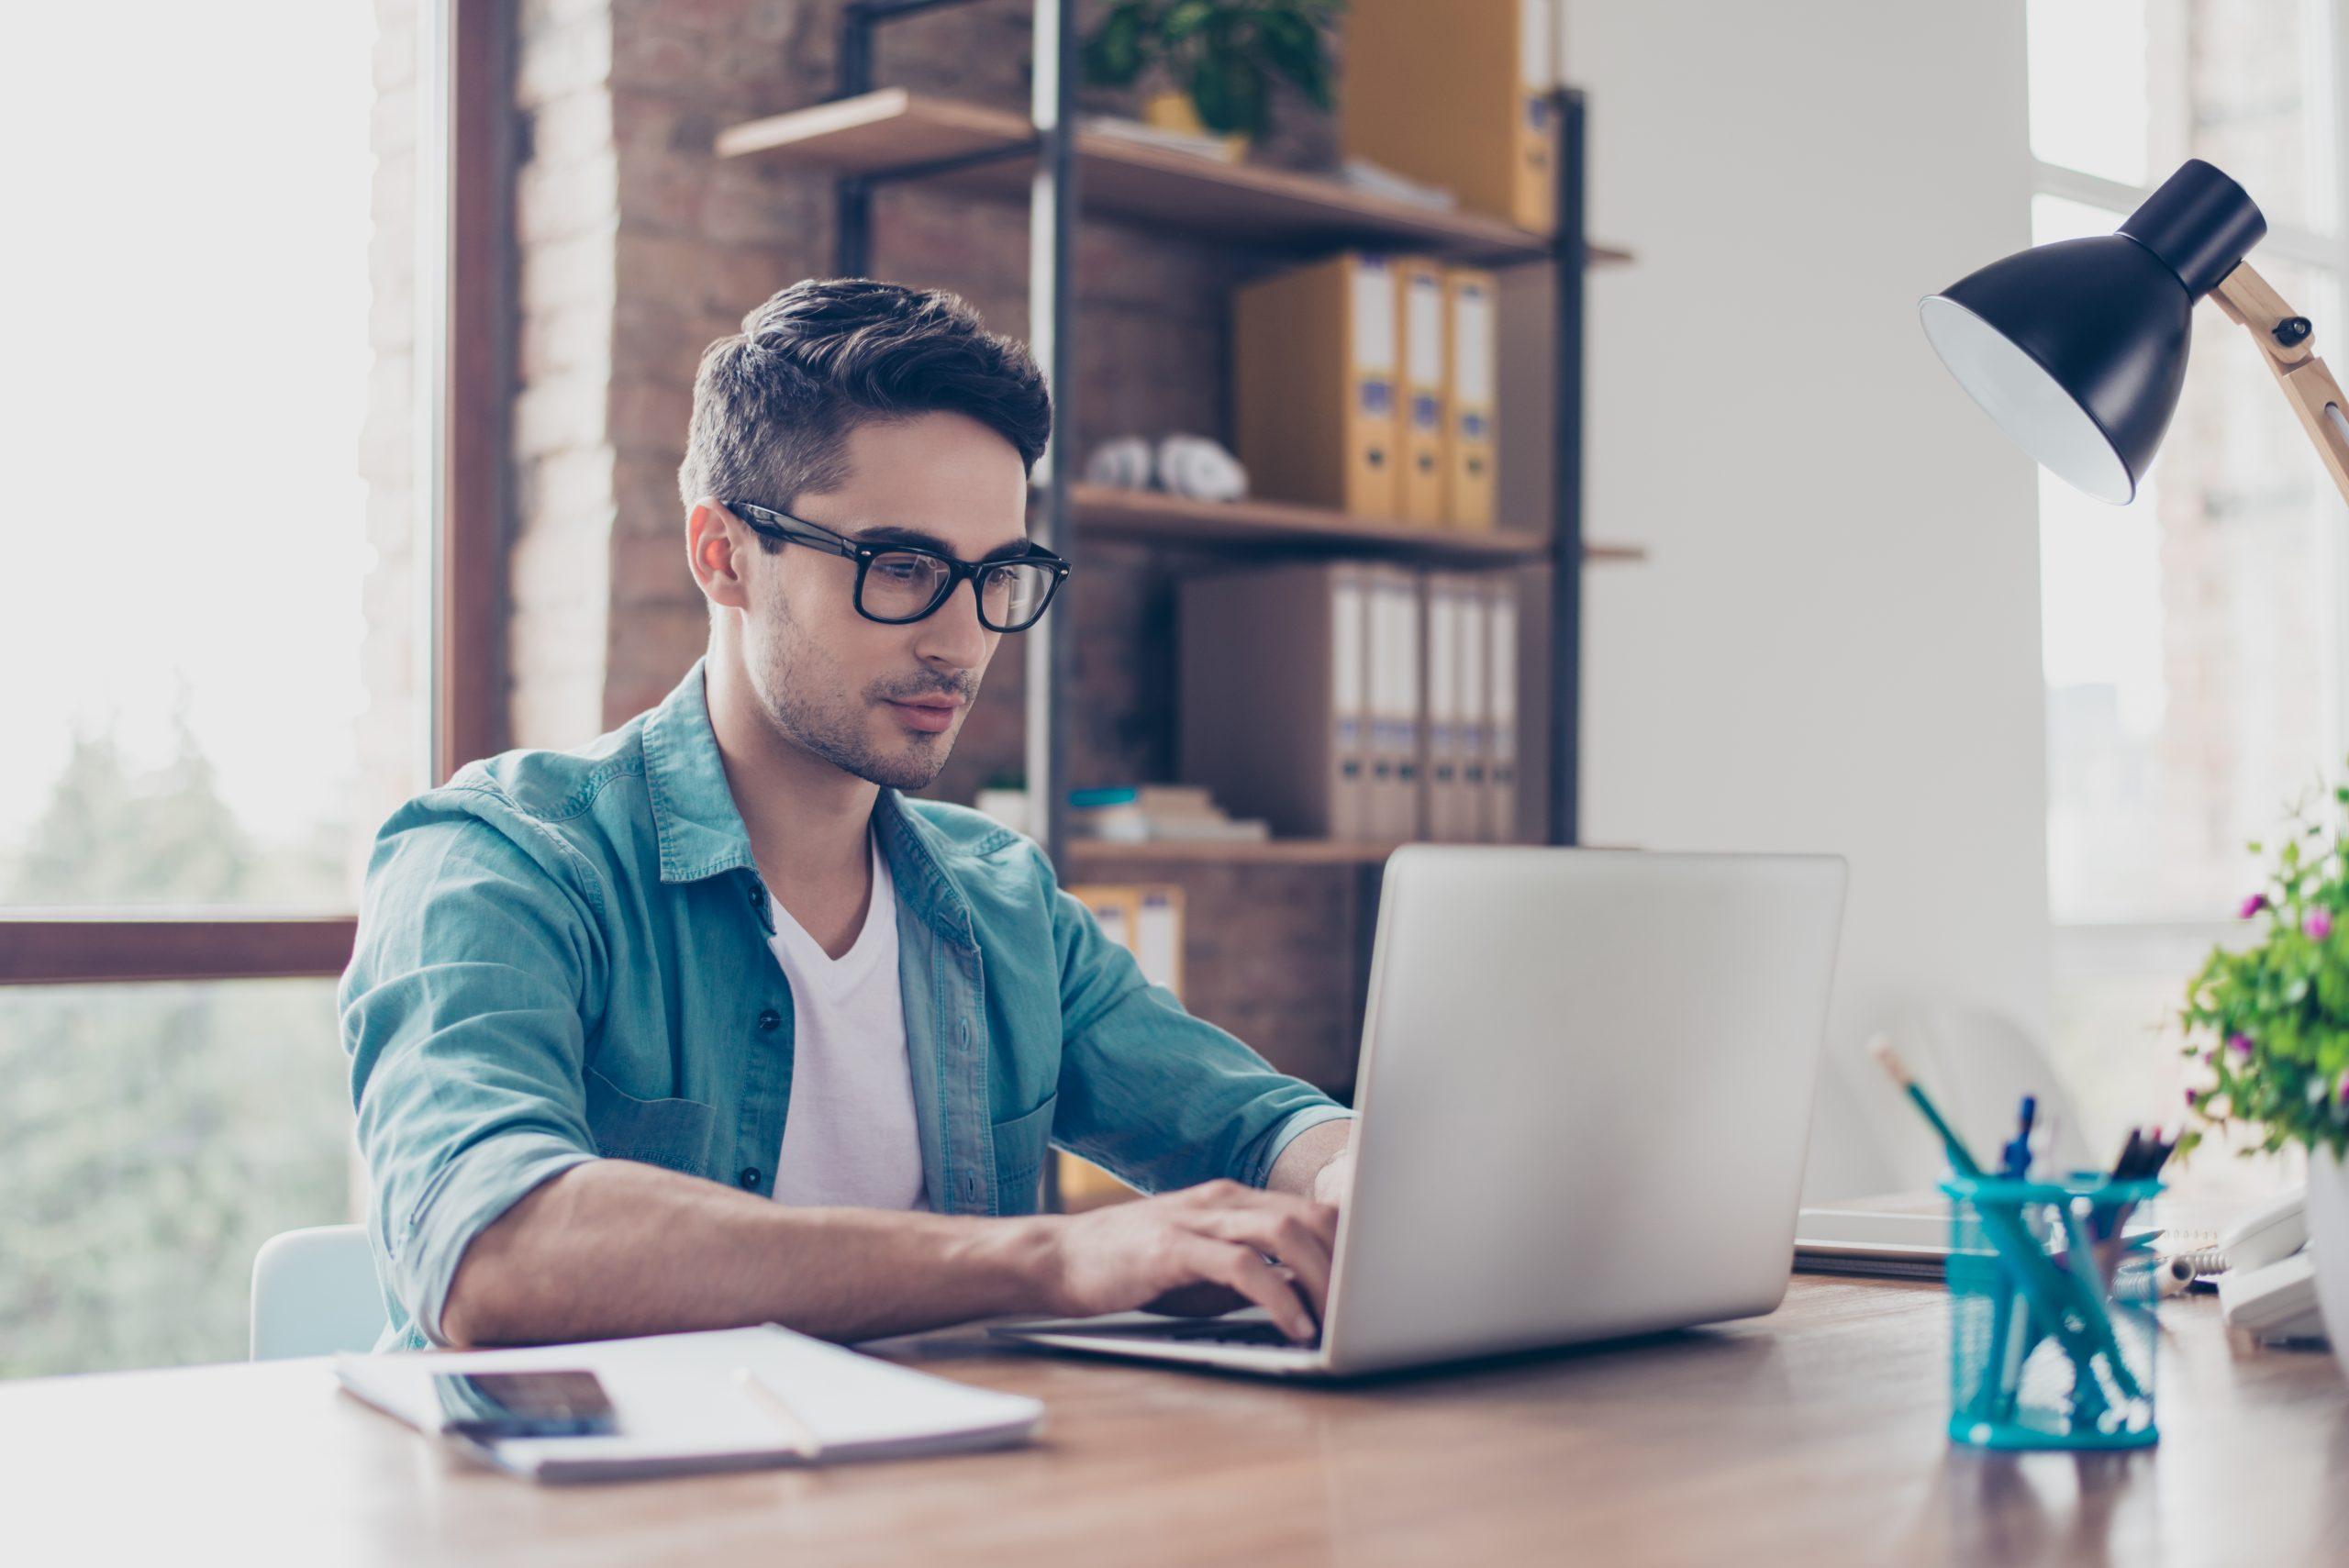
[2077, 350]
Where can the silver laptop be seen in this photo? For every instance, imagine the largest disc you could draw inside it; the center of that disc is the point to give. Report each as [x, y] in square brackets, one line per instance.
[1584, 1095]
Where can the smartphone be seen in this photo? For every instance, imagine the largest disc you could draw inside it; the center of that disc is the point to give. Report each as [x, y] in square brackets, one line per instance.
[491, 1404]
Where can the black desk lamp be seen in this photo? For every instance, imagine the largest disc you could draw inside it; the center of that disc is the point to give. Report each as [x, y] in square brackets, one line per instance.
[2077, 349]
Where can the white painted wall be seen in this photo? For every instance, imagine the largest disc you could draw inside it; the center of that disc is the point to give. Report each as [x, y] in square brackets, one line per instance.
[1835, 645]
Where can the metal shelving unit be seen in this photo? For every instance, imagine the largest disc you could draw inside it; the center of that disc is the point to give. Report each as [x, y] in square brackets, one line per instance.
[869, 136]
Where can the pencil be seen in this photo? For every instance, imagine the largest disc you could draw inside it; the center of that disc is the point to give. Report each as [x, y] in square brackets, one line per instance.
[803, 1438]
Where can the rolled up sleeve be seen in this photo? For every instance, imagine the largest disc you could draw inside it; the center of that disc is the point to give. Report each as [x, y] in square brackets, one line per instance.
[1149, 1092]
[464, 1012]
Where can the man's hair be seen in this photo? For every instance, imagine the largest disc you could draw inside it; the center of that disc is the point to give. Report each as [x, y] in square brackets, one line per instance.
[774, 406]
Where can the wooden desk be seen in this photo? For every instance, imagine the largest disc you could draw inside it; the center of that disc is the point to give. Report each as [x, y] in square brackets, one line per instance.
[1811, 1436]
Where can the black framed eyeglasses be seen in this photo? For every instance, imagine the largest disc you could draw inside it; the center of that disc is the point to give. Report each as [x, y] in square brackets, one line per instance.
[898, 583]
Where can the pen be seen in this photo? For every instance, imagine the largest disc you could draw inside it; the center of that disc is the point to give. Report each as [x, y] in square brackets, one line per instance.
[804, 1441]
[2018, 1151]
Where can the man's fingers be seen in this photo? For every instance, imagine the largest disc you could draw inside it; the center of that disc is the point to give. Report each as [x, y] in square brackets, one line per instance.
[1287, 1236]
[1235, 1264]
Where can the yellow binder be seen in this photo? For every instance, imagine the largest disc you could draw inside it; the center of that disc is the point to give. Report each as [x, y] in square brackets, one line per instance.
[1470, 463]
[1457, 94]
[1314, 362]
[1421, 299]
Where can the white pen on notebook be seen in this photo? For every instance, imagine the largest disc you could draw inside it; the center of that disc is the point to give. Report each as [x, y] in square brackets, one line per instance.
[804, 1441]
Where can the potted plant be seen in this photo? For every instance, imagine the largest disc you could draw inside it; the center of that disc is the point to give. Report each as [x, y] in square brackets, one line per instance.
[1217, 59]
[2269, 1028]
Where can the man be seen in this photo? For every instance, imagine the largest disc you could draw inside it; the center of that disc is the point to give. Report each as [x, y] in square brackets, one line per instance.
[707, 1024]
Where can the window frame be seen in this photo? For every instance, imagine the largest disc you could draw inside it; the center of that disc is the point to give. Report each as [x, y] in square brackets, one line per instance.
[463, 350]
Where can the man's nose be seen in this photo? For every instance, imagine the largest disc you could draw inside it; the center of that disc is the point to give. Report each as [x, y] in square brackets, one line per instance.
[953, 634]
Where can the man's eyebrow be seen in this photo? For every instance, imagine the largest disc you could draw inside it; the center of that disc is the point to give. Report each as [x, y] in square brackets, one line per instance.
[890, 533]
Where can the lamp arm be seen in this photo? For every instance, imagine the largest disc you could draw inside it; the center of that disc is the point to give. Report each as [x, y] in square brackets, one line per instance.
[2289, 344]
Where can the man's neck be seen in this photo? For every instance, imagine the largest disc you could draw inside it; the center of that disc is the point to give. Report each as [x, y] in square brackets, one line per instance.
[808, 820]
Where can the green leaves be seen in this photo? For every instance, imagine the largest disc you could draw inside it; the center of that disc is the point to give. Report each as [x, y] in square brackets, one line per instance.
[1230, 92]
[1225, 53]
[1114, 53]
[2270, 1023]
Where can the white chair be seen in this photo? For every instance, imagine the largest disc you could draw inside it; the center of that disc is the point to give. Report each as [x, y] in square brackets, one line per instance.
[314, 1293]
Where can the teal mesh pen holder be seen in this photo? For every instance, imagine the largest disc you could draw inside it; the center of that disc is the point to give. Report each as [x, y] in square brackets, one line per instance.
[2052, 1325]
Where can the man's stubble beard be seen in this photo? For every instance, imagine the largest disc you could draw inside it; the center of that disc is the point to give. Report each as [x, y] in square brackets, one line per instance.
[800, 689]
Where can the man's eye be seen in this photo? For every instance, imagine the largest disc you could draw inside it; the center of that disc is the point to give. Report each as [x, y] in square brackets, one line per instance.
[900, 568]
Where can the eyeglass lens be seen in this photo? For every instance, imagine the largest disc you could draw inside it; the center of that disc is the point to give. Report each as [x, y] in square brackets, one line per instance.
[901, 585]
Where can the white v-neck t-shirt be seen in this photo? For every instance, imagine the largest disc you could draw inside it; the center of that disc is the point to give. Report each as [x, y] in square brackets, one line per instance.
[850, 1136]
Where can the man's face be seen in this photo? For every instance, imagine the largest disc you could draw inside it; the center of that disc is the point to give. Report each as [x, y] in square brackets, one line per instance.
[885, 703]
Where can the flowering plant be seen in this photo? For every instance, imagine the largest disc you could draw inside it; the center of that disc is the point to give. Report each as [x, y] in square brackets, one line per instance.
[2271, 1022]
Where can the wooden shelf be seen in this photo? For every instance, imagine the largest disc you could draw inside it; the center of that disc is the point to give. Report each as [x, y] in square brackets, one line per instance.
[1275, 852]
[1172, 520]
[892, 129]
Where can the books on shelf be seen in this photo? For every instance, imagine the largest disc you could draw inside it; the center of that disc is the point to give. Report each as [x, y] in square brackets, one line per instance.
[1376, 179]
[1157, 814]
[1355, 700]
[1197, 144]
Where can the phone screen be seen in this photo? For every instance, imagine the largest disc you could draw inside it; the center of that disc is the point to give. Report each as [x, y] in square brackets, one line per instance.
[524, 1404]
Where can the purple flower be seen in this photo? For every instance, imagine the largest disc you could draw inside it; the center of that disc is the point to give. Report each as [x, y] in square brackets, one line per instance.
[2191, 1095]
[2317, 924]
[2253, 905]
[2240, 1044]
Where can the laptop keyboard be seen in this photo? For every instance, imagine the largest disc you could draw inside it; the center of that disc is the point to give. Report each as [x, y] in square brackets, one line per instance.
[1204, 1330]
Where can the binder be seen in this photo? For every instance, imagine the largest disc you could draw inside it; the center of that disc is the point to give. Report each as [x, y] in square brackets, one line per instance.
[1315, 358]
[1274, 696]
[1476, 709]
[1470, 469]
[1146, 919]
[1500, 692]
[1394, 709]
[1112, 908]
[1449, 807]
[1421, 324]
[1458, 95]
[1158, 934]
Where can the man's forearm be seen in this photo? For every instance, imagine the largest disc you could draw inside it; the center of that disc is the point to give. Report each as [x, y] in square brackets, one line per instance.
[1300, 1164]
[615, 1248]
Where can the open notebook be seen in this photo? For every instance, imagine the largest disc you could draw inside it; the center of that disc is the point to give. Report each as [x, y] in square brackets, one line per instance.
[680, 1405]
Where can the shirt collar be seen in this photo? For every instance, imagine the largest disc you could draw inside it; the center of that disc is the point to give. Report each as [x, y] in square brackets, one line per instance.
[700, 833]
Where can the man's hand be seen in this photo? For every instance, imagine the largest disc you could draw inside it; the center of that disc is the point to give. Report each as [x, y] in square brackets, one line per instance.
[1200, 1249]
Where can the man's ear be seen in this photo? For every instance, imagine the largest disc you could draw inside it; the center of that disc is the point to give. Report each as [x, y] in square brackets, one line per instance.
[718, 547]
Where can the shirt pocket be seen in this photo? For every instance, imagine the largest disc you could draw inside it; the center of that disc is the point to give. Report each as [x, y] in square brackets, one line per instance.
[1021, 1145]
[670, 1133]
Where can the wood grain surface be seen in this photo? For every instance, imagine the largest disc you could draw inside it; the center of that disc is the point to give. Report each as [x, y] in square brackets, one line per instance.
[1811, 1436]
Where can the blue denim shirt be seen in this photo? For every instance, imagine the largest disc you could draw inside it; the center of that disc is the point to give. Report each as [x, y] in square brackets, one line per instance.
[562, 956]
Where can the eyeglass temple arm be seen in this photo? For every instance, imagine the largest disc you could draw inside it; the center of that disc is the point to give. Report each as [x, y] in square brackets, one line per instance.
[2288, 342]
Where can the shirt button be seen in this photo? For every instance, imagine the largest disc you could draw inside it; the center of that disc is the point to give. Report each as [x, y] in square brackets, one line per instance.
[770, 1021]
[750, 1177]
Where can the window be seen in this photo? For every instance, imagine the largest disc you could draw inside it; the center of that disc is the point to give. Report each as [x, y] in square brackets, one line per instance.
[251, 528]
[2193, 641]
